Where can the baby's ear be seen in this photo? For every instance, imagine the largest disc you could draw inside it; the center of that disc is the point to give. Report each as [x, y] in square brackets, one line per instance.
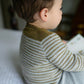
[44, 14]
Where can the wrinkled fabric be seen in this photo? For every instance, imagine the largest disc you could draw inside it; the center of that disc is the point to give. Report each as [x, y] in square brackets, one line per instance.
[72, 78]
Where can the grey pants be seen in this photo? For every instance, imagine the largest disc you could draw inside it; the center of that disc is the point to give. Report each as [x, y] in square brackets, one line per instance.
[72, 78]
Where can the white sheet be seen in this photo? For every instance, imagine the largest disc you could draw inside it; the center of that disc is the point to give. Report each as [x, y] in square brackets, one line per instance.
[9, 53]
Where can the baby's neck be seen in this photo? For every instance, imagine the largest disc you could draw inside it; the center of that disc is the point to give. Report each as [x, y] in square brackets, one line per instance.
[39, 25]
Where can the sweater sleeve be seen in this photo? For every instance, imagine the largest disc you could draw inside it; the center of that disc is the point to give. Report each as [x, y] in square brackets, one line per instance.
[58, 54]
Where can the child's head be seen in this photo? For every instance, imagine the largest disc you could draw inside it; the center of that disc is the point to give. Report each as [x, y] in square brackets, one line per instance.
[32, 10]
[27, 8]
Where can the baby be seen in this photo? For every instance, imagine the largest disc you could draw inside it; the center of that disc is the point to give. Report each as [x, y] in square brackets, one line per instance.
[44, 56]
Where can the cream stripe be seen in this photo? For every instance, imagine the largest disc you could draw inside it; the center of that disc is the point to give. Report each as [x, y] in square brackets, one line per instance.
[73, 63]
[54, 38]
[44, 40]
[48, 77]
[79, 67]
[67, 60]
[30, 61]
[65, 57]
[34, 52]
[42, 73]
[44, 66]
[55, 61]
[26, 64]
[35, 56]
[69, 64]
[30, 68]
[52, 56]
[74, 66]
[82, 61]
[58, 55]
[63, 61]
[27, 38]
[42, 82]
[51, 44]
[46, 80]
[34, 59]
[33, 49]
[42, 70]
[31, 43]
[56, 50]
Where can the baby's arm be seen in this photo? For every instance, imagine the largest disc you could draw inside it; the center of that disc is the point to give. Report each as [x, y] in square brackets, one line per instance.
[58, 54]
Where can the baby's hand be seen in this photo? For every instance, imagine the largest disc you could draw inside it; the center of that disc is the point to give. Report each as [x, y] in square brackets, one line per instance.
[64, 41]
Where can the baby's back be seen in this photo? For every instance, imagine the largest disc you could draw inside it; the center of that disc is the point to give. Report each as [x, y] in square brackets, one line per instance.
[35, 66]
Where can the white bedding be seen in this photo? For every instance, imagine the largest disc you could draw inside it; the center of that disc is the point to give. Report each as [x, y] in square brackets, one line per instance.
[9, 54]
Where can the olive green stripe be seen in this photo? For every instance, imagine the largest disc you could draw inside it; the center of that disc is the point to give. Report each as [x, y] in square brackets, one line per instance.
[73, 65]
[29, 61]
[32, 60]
[68, 63]
[33, 57]
[31, 47]
[32, 51]
[31, 42]
[42, 73]
[79, 64]
[53, 56]
[67, 59]
[60, 57]
[64, 52]
[56, 52]
[30, 39]
[81, 60]
[26, 63]
[42, 67]
[46, 81]
[49, 40]
[49, 37]
[33, 54]
[51, 45]
[57, 62]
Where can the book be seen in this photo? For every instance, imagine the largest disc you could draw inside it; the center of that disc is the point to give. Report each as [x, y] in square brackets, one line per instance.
[76, 44]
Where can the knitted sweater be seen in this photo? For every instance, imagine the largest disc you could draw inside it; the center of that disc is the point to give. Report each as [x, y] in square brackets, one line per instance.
[44, 56]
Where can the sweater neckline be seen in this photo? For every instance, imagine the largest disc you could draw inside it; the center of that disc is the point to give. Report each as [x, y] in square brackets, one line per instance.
[34, 27]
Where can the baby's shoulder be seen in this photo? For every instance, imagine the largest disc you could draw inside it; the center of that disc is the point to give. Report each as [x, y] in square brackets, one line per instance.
[36, 33]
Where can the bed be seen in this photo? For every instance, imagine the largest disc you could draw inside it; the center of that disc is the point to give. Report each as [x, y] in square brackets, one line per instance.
[10, 72]
[9, 55]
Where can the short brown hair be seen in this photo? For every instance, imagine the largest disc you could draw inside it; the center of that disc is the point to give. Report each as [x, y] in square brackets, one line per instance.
[27, 8]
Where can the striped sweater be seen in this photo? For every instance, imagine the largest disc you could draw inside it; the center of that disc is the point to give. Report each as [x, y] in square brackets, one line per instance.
[44, 56]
